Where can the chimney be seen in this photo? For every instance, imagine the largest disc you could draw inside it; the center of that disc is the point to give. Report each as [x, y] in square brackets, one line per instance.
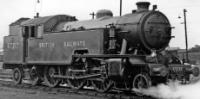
[142, 6]
[37, 15]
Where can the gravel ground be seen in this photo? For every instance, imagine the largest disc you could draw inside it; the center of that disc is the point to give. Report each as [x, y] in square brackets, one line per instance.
[13, 93]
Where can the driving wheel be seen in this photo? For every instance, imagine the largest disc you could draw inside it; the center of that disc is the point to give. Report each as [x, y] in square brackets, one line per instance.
[48, 76]
[102, 85]
[141, 81]
[74, 83]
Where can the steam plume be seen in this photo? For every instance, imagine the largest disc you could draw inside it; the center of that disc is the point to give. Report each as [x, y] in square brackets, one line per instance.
[174, 90]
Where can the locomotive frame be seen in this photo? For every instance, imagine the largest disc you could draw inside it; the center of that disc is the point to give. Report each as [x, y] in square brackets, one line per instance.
[109, 52]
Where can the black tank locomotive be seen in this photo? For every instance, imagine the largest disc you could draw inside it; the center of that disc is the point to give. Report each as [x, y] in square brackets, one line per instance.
[106, 52]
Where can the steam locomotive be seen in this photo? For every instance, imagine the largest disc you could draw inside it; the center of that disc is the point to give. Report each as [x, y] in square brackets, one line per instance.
[106, 52]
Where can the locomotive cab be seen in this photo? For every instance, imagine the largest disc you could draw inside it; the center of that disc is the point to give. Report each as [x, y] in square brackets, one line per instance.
[23, 32]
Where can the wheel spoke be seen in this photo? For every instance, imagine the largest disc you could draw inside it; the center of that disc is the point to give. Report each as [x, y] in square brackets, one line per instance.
[17, 76]
[49, 80]
[80, 64]
[141, 81]
[103, 85]
[76, 84]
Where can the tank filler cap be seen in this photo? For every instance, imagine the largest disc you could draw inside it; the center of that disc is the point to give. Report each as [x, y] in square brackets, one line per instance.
[142, 6]
[103, 13]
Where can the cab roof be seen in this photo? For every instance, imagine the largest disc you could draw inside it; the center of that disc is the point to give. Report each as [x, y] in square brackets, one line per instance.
[46, 19]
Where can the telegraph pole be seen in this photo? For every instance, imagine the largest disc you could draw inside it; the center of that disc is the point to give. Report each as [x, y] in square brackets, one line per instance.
[120, 13]
[186, 39]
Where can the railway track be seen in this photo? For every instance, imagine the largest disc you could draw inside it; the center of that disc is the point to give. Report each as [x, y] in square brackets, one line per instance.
[6, 81]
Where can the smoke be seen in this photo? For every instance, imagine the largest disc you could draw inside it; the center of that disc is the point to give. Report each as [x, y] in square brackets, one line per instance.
[174, 90]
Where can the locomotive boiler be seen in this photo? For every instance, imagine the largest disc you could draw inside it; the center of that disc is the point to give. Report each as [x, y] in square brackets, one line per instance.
[106, 52]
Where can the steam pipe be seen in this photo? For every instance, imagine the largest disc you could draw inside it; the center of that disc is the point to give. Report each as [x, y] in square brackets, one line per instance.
[123, 49]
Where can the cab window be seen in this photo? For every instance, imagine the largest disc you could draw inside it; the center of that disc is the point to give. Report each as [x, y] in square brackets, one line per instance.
[26, 31]
[32, 31]
[40, 31]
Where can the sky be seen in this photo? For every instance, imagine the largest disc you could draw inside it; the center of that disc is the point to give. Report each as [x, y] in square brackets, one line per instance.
[11, 10]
